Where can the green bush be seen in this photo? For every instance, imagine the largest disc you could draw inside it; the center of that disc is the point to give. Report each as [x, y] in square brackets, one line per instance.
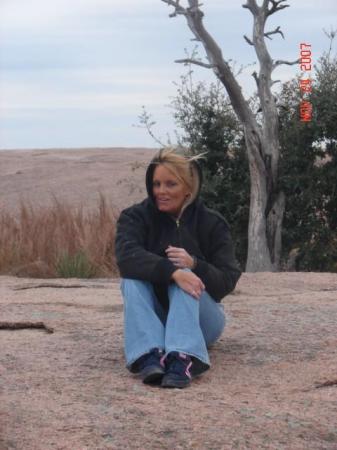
[308, 166]
[75, 266]
[307, 170]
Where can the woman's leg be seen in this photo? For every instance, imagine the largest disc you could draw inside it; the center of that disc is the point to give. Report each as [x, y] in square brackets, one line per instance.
[183, 331]
[212, 318]
[143, 326]
[192, 325]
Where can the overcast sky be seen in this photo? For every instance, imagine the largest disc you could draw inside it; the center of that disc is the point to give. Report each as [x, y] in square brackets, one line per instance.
[75, 73]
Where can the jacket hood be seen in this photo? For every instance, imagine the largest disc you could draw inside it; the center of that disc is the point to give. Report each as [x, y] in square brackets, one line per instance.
[197, 180]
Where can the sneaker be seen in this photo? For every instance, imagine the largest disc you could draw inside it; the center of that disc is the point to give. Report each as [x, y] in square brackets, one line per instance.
[151, 366]
[178, 373]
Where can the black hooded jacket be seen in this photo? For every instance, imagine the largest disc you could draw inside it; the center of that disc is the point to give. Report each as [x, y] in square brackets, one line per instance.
[144, 233]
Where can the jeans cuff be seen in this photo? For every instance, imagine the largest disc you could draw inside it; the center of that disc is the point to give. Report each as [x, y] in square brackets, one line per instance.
[132, 367]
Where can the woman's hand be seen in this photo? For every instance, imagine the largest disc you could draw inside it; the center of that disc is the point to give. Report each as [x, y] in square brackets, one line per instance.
[180, 257]
[189, 282]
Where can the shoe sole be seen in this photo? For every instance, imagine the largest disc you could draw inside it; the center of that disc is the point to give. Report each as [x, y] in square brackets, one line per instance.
[180, 384]
[152, 375]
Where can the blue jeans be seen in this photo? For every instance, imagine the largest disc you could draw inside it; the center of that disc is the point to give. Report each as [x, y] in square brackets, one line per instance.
[190, 325]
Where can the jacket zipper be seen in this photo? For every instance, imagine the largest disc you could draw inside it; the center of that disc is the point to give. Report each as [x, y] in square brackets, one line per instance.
[178, 232]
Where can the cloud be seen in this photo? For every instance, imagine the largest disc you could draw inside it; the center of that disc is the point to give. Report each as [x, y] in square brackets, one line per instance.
[89, 89]
[75, 59]
[22, 14]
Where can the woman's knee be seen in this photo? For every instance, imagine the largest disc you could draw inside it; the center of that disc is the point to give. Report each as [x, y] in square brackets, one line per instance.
[132, 283]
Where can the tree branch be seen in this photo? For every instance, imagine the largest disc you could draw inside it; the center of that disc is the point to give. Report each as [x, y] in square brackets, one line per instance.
[241, 68]
[194, 6]
[178, 9]
[250, 42]
[252, 6]
[277, 30]
[146, 122]
[276, 6]
[222, 70]
[196, 62]
[288, 63]
[256, 78]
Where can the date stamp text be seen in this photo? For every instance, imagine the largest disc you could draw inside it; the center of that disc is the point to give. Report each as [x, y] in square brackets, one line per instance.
[305, 82]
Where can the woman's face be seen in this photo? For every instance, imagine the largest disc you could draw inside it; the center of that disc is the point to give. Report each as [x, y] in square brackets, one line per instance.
[169, 192]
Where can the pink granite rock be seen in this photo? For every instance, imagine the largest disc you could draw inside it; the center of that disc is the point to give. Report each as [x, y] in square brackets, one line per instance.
[272, 384]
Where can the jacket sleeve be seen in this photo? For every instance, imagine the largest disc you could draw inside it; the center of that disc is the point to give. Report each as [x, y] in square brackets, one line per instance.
[221, 272]
[133, 260]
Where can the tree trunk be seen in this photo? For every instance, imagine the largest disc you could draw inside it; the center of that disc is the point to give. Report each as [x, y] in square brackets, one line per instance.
[264, 232]
[266, 209]
[258, 257]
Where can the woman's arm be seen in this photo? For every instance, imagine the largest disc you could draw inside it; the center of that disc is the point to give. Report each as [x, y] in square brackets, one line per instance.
[221, 272]
[133, 260]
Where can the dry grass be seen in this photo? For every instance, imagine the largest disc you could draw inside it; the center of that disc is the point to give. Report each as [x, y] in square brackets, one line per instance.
[59, 241]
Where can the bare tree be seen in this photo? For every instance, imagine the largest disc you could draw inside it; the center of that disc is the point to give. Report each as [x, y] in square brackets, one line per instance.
[267, 202]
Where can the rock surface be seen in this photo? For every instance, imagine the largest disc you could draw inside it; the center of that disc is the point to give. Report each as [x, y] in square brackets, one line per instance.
[74, 176]
[272, 384]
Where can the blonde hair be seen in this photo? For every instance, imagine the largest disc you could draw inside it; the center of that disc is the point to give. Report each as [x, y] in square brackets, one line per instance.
[181, 165]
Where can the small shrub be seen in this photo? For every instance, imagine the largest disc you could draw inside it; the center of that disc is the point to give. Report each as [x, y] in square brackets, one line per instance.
[75, 266]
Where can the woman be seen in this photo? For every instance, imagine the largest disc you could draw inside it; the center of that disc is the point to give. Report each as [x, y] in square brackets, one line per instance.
[177, 262]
